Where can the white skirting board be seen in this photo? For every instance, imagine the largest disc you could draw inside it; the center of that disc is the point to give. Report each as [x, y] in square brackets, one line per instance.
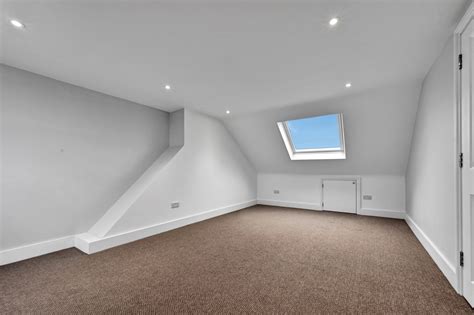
[12, 255]
[290, 204]
[441, 261]
[314, 206]
[90, 244]
[382, 213]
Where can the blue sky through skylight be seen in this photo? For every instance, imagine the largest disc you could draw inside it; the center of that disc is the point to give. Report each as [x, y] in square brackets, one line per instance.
[319, 132]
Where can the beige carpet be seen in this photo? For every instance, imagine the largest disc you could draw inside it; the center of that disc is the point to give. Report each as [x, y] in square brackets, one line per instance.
[257, 260]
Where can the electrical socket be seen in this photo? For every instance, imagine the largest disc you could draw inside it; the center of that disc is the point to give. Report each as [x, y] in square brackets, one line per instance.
[174, 205]
[276, 191]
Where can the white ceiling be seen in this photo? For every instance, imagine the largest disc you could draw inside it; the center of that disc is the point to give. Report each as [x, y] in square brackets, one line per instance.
[244, 56]
[378, 126]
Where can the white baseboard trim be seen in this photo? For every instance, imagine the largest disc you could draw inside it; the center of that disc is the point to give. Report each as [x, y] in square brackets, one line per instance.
[90, 244]
[448, 269]
[289, 204]
[382, 213]
[81, 241]
[12, 255]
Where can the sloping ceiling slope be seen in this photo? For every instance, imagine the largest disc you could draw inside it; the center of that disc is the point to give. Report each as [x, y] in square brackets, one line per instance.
[244, 56]
[378, 127]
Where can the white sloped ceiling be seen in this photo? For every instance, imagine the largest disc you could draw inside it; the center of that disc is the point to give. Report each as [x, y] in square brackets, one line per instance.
[378, 127]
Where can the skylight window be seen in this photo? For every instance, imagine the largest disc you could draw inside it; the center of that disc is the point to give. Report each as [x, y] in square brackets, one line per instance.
[314, 138]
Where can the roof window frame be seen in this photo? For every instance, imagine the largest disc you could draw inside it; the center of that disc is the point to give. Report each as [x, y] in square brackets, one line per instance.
[313, 154]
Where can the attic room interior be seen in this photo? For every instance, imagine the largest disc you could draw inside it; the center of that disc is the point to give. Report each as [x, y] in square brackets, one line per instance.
[204, 156]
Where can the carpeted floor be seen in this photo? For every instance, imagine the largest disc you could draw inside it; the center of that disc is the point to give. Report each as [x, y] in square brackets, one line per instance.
[257, 260]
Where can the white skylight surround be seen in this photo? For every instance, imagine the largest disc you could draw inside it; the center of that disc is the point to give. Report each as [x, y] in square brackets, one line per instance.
[314, 138]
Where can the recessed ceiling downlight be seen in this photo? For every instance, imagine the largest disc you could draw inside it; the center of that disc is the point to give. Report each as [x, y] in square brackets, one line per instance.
[167, 87]
[17, 24]
[333, 21]
[348, 85]
[227, 112]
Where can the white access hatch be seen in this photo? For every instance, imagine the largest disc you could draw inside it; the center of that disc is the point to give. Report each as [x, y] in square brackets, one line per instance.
[339, 195]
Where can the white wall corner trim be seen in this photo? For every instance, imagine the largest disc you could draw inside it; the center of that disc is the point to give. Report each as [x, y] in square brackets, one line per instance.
[118, 209]
[91, 244]
[441, 261]
[290, 204]
[465, 19]
[394, 214]
[12, 255]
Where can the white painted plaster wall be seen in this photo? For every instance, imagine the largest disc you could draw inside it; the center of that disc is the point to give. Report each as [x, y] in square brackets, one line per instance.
[387, 191]
[67, 154]
[431, 174]
[209, 172]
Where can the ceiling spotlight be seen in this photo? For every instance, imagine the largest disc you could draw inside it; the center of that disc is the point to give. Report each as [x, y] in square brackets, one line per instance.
[167, 87]
[227, 112]
[348, 85]
[333, 21]
[17, 24]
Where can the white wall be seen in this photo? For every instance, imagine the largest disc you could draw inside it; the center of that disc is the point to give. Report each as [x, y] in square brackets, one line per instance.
[67, 154]
[378, 124]
[209, 172]
[431, 181]
[388, 192]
